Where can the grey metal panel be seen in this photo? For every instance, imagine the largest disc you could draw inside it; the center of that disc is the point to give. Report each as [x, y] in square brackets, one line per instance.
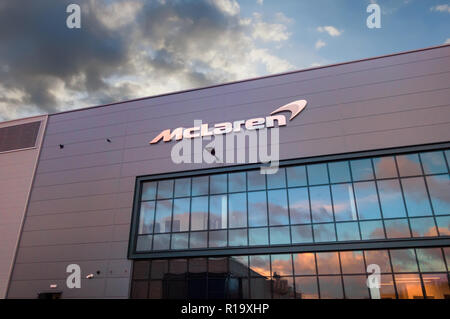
[83, 193]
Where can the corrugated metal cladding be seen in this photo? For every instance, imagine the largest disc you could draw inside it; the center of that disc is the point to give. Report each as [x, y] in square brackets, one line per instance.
[82, 197]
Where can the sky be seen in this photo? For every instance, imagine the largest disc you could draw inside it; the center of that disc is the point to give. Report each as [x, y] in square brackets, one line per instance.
[137, 48]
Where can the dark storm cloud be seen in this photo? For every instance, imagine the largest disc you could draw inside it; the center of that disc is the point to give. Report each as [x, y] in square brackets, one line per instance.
[38, 51]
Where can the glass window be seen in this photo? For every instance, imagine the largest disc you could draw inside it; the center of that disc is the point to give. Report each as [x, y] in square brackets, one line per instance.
[180, 241]
[328, 263]
[239, 266]
[218, 265]
[439, 187]
[199, 213]
[301, 234]
[146, 217]
[237, 210]
[361, 169]
[436, 286]
[299, 205]
[278, 209]
[218, 184]
[339, 172]
[321, 204]
[144, 243]
[404, 260]
[324, 233]
[317, 174]
[149, 191]
[306, 288]
[165, 189]
[409, 165]
[352, 262]
[218, 238]
[386, 290]
[372, 229]
[260, 288]
[155, 289]
[430, 259]
[238, 237]
[141, 269]
[197, 265]
[304, 264]
[282, 287]
[163, 216]
[281, 265]
[159, 268]
[408, 286]
[343, 202]
[139, 289]
[330, 287]
[296, 176]
[236, 182]
[198, 239]
[258, 236]
[423, 227]
[280, 235]
[347, 231]
[182, 187]
[277, 180]
[380, 258]
[397, 228]
[391, 198]
[260, 266]
[178, 266]
[355, 287]
[385, 167]
[416, 197]
[200, 185]
[257, 209]
[180, 214]
[218, 212]
[433, 162]
[161, 242]
[367, 200]
[256, 180]
[443, 224]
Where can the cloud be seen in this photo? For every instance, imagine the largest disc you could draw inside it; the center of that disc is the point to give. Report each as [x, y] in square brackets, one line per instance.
[268, 32]
[125, 50]
[447, 41]
[320, 44]
[260, 2]
[441, 8]
[332, 31]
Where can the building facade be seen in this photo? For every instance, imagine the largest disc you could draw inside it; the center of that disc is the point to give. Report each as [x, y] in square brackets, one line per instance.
[362, 186]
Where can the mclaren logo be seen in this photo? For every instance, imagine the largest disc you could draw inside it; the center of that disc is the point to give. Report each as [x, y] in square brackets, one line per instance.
[227, 127]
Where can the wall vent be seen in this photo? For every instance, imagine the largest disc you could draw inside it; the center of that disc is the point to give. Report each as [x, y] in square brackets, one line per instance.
[18, 137]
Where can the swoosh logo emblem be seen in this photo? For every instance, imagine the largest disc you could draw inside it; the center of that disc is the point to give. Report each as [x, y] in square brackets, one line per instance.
[294, 107]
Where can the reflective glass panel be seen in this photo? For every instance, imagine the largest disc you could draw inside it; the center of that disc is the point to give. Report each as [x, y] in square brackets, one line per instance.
[328, 263]
[304, 264]
[372, 229]
[330, 287]
[163, 216]
[436, 286]
[378, 257]
[260, 266]
[299, 205]
[339, 172]
[281, 265]
[149, 191]
[278, 208]
[237, 210]
[361, 169]
[198, 239]
[218, 184]
[423, 227]
[408, 286]
[165, 189]
[282, 287]
[180, 241]
[317, 174]
[343, 202]
[430, 259]
[277, 180]
[218, 238]
[257, 209]
[443, 224]
[397, 228]
[385, 167]
[200, 185]
[347, 231]
[433, 162]
[182, 187]
[199, 213]
[321, 204]
[161, 242]
[404, 260]
[355, 287]
[301, 234]
[238, 237]
[324, 233]
[280, 235]
[144, 243]
[391, 198]
[306, 288]
[296, 176]
[258, 236]
[386, 290]
[256, 180]
[352, 262]
[416, 197]
[439, 187]
[409, 165]
[181, 214]
[367, 200]
[237, 182]
[146, 217]
[218, 212]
